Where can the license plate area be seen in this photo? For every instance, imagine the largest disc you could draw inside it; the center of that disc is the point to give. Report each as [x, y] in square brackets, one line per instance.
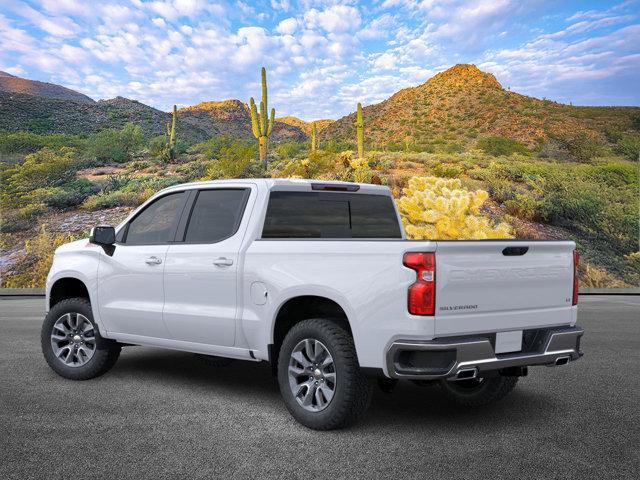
[507, 342]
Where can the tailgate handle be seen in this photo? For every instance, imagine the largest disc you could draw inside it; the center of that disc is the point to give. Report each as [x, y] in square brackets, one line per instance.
[514, 251]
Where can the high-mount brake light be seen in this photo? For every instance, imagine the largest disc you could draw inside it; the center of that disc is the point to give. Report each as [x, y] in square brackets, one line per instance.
[335, 187]
[576, 281]
[421, 297]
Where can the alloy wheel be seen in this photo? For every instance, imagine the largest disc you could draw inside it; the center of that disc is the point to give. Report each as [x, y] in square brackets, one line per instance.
[73, 339]
[312, 375]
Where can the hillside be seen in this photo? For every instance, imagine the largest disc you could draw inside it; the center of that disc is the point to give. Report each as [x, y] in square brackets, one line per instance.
[19, 111]
[16, 85]
[464, 103]
[305, 126]
[232, 118]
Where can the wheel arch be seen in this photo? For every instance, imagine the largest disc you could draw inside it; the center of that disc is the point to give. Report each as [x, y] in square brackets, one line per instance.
[67, 287]
[303, 307]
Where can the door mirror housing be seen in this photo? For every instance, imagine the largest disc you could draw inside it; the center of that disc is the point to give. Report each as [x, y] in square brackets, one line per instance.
[103, 235]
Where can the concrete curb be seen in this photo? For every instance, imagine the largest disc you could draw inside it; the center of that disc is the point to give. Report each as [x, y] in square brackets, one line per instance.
[39, 292]
[21, 292]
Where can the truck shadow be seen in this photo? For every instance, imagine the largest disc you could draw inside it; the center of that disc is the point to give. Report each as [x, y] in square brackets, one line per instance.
[408, 406]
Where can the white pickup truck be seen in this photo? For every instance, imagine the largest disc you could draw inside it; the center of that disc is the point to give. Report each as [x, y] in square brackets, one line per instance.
[319, 280]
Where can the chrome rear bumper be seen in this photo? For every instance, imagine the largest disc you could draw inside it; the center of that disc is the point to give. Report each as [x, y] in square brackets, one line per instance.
[467, 357]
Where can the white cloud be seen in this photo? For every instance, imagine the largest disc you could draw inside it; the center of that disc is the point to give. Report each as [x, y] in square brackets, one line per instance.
[159, 22]
[280, 5]
[56, 26]
[287, 26]
[335, 19]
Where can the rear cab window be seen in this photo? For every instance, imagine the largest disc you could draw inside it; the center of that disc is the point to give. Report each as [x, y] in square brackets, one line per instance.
[330, 215]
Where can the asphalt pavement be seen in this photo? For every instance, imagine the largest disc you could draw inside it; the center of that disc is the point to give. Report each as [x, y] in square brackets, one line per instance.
[164, 414]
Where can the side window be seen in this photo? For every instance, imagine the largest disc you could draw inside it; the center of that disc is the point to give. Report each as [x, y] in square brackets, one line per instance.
[216, 215]
[155, 224]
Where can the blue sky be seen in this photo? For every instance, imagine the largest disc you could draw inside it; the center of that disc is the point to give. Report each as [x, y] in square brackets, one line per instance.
[322, 56]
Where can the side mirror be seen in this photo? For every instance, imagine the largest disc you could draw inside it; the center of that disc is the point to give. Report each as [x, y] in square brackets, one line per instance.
[103, 235]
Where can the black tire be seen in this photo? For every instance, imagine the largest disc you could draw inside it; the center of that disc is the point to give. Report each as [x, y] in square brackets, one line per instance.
[480, 391]
[106, 351]
[353, 390]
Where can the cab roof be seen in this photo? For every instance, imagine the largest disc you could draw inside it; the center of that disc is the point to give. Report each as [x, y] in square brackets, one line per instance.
[292, 184]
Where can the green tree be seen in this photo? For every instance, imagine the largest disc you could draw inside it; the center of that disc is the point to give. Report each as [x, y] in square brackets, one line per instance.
[116, 145]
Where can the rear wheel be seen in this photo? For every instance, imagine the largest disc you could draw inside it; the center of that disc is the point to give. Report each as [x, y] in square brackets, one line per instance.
[71, 342]
[319, 376]
[478, 391]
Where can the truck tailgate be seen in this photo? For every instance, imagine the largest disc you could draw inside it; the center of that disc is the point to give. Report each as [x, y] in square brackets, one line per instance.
[488, 286]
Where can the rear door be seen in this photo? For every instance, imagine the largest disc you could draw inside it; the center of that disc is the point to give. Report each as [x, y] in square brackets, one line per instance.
[201, 269]
[488, 286]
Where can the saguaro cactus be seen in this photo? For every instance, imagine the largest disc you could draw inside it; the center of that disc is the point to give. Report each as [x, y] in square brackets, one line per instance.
[260, 124]
[360, 132]
[171, 135]
[314, 138]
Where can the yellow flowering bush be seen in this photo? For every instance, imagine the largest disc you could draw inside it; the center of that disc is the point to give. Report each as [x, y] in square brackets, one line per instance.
[441, 209]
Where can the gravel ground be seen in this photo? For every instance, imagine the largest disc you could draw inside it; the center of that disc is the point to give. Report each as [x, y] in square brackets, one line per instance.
[163, 414]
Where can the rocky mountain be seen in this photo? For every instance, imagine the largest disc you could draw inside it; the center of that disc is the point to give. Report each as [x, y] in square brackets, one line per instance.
[232, 118]
[16, 85]
[305, 126]
[464, 103]
[19, 111]
[47, 108]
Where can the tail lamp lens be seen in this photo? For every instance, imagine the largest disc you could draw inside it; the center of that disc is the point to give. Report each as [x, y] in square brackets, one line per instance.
[576, 282]
[421, 297]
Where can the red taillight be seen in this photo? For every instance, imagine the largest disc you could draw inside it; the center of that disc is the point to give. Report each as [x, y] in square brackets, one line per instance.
[576, 282]
[421, 298]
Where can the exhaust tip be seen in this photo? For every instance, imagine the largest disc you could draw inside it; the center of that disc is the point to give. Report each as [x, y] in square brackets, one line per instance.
[562, 360]
[467, 373]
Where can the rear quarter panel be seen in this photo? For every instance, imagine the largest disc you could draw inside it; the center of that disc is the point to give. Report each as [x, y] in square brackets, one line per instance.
[366, 278]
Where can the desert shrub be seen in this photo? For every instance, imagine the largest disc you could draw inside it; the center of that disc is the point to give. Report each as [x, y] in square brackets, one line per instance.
[232, 160]
[39, 256]
[115, 199]
[523, 206]
[213, 147]
[23, 218]
[40, 125]
[67, 195]
[336, 146]
[42, 169]
[116, 145]
[116, 182]
[498, 146]
[158, 145]
[447, 171]
[629, 146]
[319, 164]
[289, 150]
[594, 277]
[437, 208]
[191, 171]
[582, 146]
[597, 200]
[28, 142]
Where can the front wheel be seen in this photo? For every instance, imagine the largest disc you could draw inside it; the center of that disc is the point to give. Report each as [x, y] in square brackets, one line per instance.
[319, 376]
[480, 391]
[71, 342]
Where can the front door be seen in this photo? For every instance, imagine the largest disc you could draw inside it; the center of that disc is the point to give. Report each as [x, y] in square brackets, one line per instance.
[201, 268]
[131, 280]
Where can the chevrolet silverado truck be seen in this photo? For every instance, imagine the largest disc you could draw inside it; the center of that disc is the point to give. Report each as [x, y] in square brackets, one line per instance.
[319, 280]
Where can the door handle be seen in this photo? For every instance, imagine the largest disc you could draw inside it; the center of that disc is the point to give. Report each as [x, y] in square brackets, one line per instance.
[153, 261]
[223, 262]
